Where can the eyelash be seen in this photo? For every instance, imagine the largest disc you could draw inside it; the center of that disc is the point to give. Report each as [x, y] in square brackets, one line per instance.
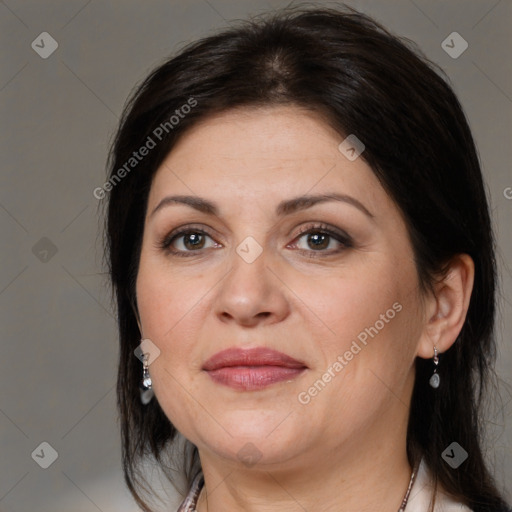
[342, 238]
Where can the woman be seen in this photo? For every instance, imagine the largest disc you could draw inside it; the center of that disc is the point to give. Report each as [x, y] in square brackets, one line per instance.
[298, 232]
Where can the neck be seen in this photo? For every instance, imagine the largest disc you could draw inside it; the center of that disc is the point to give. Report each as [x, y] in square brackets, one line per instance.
[362, 474]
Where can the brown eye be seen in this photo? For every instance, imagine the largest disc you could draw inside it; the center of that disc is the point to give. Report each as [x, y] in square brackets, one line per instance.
[187, 241]
[193, 241]
[318, 241]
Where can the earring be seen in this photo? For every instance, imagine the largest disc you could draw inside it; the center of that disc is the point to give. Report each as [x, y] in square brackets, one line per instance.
[435, 379]
[146, 386]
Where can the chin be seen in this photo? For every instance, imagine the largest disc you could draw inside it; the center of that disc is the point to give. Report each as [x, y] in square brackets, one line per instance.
[254, 452]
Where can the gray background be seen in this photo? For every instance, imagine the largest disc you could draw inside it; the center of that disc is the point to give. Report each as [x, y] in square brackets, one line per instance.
[59, 347]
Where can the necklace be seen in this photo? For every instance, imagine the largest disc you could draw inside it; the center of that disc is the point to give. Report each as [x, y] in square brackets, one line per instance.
[408, 492]
[401, 509]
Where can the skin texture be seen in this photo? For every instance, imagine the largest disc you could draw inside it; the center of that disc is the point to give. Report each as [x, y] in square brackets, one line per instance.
[345, 449]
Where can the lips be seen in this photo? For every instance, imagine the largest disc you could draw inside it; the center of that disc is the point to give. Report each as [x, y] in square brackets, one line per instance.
[252, 369]
[259, 356]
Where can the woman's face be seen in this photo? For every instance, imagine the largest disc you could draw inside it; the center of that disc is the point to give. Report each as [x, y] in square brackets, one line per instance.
[329, 283]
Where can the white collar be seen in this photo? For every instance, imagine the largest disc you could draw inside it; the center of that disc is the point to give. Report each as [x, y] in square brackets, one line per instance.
[422, 492]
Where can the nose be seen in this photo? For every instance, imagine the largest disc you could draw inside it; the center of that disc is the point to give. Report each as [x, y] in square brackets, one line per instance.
[252, 293]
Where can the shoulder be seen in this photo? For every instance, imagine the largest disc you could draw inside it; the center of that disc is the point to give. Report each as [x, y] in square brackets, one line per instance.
[422, 493]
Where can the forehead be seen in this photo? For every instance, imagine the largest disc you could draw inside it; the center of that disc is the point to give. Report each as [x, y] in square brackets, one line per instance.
[265, 153]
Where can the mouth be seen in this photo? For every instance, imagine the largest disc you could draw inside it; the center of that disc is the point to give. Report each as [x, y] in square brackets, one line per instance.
[252, 369]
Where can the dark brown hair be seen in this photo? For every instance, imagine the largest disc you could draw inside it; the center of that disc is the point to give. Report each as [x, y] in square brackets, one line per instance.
[365, 81]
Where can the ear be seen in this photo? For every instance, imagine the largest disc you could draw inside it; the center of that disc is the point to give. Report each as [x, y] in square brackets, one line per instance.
[446, 309]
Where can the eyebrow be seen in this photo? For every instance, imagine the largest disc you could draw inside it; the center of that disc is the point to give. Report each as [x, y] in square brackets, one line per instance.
[286, 207]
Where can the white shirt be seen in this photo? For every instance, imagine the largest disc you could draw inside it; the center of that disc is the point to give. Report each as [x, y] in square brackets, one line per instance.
[422, 492]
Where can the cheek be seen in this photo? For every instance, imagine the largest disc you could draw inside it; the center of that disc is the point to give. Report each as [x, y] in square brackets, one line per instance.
[164, 303]
[164, 297]
[373, 321]
[370, 354]
[167, 307]
[352, 301]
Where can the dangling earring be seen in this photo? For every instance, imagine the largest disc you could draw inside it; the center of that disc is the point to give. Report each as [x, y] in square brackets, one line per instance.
[435, 379]
[146, 386]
